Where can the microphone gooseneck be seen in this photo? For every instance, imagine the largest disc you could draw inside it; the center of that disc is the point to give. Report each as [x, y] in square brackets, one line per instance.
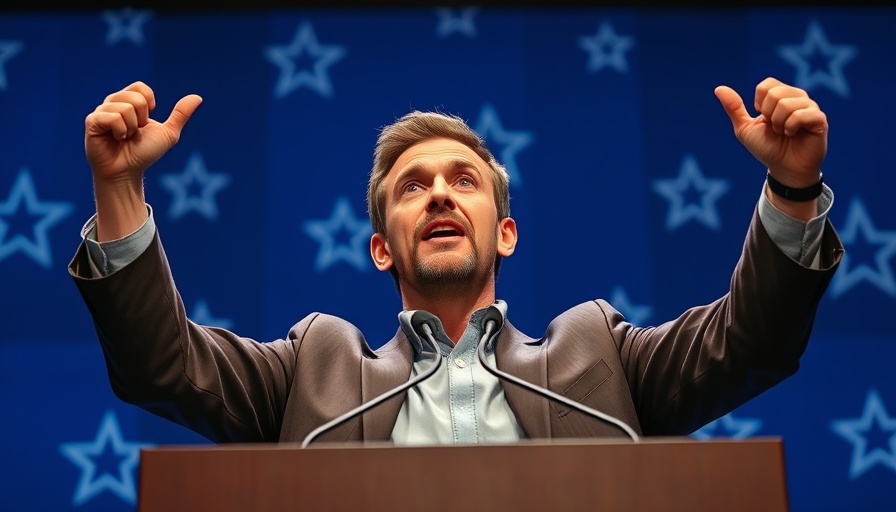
[427, 330]
[546, 393]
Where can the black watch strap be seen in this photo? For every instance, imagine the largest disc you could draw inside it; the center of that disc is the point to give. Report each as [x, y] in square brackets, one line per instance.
[795, 194]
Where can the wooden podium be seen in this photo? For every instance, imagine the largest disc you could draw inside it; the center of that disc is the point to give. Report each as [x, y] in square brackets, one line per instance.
[656, 475]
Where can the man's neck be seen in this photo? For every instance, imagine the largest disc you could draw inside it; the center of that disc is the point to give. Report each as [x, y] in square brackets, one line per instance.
[453, 309]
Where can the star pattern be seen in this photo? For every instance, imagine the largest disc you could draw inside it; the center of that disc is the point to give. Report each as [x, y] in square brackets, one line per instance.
[595, 94]
[85, 455]
[728, 427]
[202, 315]
[691, 178]
[489, 127]
[816, 43]
[331, 251]
[126, 25]
[858, 224]
[856, 432]
[285, 56]
[635, 315]
[23, 195]
[8, 50]
[606, 49]
[461, 22]
[194, 174]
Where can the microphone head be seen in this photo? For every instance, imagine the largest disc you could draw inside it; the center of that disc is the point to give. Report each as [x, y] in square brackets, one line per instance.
[422, 318]
[492, 315]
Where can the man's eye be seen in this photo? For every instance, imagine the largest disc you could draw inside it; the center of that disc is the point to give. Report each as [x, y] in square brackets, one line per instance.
[411, 187]
[465, 182]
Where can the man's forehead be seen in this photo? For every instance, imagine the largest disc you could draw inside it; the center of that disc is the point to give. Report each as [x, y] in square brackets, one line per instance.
[440, 150]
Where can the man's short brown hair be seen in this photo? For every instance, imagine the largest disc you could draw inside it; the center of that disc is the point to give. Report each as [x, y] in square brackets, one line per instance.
[416, 127]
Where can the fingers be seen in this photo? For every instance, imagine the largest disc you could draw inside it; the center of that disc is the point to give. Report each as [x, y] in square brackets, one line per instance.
[122, 112]
[182, 112]
[762, 91]
[789, 109]
[145, 91]
[734, 107]
[99, 123]
[790, 115]
[810, 119]
[138, 96]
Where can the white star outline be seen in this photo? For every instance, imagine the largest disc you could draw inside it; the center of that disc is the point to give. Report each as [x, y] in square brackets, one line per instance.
[635, 315]
[331, 252]
[8, 50]
[462, 22]
[732, 427]
[81, 454]
[291, 79]
[858, 221]
[178, 184]
[202, 315]
[606, 48]
[38, 249]
[689, 175]
[489, 128]
[816, 41]
[850, 429]
[126, 24]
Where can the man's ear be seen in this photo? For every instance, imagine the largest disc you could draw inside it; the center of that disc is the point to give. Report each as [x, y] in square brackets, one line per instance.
[507, 236]
[379, 251]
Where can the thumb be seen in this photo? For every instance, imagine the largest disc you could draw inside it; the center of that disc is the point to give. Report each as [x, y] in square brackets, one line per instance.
[734, 107]
[182, 112]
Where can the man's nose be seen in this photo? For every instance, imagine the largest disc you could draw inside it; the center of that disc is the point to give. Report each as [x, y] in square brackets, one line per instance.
[440, 196]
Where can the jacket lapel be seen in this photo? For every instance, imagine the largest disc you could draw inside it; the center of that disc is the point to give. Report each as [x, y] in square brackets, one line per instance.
[523, 357]
[388, 369]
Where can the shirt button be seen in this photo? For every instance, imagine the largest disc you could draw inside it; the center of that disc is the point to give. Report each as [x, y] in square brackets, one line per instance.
[460, 363]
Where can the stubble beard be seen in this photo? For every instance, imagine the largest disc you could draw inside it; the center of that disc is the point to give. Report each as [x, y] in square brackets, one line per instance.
[445, 274]
[443, 279]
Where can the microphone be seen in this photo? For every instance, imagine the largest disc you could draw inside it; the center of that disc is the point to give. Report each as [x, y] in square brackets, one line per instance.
[490, 320]
[419, 322]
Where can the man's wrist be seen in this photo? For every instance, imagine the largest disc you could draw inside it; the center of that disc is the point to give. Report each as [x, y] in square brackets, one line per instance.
[120, 207]
[798, 195]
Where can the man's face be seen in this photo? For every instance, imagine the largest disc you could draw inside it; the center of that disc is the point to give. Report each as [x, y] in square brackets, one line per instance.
[441, 218]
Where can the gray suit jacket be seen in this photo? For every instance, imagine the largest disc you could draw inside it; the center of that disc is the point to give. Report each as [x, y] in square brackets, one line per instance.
[665, 380]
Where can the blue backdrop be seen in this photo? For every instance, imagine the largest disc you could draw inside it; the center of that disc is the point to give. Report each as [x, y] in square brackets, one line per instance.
[605, 118]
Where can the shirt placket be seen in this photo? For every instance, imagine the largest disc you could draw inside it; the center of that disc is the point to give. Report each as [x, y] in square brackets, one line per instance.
[462, 393]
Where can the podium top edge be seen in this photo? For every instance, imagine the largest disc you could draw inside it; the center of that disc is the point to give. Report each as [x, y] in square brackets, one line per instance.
[652, 441]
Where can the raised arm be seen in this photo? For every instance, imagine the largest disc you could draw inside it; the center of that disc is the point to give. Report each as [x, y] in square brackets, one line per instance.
[121, 142]
[715, 357]
[218, 384]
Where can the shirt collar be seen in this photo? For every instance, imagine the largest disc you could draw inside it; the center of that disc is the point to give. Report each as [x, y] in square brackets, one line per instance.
[473, 327]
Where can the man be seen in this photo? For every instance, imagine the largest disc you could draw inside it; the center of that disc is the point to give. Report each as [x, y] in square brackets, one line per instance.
[439, 205]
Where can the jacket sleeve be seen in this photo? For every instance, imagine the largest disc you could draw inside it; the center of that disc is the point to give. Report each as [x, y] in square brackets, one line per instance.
[713, 358]
[222, 386]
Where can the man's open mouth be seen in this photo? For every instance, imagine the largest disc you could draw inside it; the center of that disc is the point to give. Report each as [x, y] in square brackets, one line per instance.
[442, 229]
